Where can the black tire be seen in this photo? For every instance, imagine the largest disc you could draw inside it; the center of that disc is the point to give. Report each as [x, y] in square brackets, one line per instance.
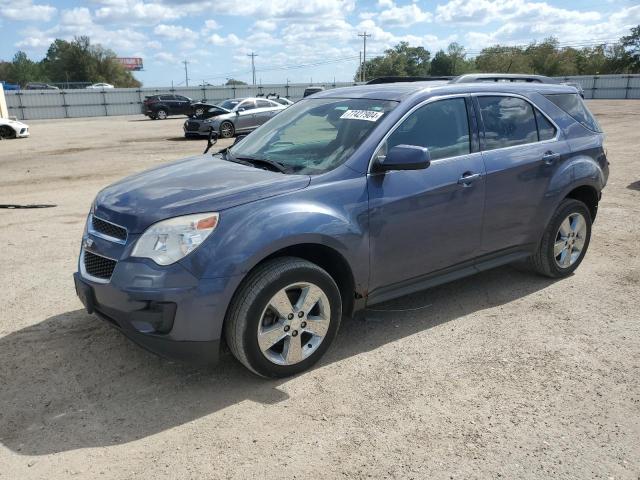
[544, 260]
[245, 313]
[7, 132]
[161, 114]
[227, 130]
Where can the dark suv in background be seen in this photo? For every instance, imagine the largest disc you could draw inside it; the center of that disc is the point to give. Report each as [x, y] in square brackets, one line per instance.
[159, 107]
[348, 198]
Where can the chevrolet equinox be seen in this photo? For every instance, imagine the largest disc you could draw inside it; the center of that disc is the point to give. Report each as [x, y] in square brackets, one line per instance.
[348, 198]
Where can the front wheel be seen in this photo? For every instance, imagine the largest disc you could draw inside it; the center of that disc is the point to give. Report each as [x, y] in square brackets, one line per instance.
[284, 317]
[227, 129]
[7, 132]
[565, 241]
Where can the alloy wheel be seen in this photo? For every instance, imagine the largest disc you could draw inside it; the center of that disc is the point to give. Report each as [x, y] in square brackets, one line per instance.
[294, 323]
[570, 240]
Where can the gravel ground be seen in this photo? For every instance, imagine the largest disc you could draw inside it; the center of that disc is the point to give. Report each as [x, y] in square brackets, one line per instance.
[501, 375]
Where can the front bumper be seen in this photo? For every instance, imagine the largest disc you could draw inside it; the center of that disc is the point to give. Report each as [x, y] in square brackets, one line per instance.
[202, 130]
[164, 309]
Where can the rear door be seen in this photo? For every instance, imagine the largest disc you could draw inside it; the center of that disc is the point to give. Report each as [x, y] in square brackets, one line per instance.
[426, 220]
[182, 105]
[522, 149]
[265, 110]
[246, 118]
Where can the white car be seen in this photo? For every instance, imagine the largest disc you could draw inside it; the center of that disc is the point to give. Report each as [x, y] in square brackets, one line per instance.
[13, 129]
[100, 86]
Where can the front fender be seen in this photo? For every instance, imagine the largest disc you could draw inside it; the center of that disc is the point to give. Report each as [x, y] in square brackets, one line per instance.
[249, 233]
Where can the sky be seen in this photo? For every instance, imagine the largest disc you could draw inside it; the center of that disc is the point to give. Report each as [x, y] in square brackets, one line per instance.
[296, 40]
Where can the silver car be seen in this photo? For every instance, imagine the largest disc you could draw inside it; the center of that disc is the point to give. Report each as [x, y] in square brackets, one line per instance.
[240, 115]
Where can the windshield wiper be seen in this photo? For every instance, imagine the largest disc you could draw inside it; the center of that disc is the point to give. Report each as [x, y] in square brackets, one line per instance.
[270, 163]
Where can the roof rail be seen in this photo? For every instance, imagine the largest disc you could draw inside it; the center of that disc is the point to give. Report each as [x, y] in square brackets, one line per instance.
[395, 79]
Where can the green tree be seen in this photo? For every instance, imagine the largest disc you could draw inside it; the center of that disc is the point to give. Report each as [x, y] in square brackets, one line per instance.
[22, 70]
[401, 60]
[631, 45]
[502, 59]
[233, 81]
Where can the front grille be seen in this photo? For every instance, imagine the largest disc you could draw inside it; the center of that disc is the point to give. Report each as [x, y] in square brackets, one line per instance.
[108, 229]
[97, 266]
[193, 126]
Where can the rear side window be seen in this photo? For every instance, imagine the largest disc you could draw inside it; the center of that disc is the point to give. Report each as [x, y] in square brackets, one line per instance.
[264, 104]
[441, 126]
[508, 121]
[575, 107]
[546, 130]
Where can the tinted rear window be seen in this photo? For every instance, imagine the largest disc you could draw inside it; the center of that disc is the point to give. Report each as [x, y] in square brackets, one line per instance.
[508, 121]
[575, 107]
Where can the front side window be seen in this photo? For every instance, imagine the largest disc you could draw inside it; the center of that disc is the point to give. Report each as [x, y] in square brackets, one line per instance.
[508, 121]
[314, 136]
[441, 126]
[572, 104]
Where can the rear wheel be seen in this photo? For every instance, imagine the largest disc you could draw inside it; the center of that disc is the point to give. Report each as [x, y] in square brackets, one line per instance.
[161, 114]
[227, 129]
[565, 241]
[284, 317]
[7, 132]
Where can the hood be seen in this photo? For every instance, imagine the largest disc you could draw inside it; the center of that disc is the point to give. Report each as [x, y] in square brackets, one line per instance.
[198, 184]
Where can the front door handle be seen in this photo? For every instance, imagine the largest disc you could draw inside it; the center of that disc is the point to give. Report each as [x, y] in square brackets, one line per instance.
[550, 157]
[468, 178]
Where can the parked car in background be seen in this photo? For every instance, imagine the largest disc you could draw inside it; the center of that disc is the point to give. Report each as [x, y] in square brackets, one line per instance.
[311, 90]
[40, 86]
[10, 128]
[278, 99]
[159, 107]
[514, 77]
[244, 116]
[349, 198]
[100, 86]
[9, 86]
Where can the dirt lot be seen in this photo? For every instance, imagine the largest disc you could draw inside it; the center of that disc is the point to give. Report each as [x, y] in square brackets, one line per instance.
[500, 375]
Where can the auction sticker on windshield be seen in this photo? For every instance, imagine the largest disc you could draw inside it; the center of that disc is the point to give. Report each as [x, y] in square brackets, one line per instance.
[368, 115]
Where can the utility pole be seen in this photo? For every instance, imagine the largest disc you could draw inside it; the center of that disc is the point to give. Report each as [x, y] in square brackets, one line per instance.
[253, 65]
[186, 73]
[360, 64]
[364, 55]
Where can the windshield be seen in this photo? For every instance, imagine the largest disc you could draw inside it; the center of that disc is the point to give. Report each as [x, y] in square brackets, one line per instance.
[314, 135]
[229, 104]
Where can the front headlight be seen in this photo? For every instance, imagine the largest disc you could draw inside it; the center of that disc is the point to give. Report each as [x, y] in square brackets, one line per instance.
[170, 240]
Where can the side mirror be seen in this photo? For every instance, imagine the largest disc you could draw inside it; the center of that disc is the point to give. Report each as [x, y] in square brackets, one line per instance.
[241, 109]
[404, 157]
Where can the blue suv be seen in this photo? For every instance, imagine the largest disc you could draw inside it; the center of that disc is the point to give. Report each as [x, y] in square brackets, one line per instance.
[348, 198]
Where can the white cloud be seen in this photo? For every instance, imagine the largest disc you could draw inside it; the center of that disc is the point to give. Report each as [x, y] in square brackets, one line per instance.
[166, 57]
[265, 25]
[211, 25]
[229, 40]
[136, 12]
[25, 10]
[395, 16]
[482, 12]
[174, 32]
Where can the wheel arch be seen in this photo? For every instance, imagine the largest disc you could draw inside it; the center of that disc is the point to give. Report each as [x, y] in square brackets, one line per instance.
[587, 194]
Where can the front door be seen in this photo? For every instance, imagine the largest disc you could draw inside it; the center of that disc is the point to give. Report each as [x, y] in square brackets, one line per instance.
[422, 221]
[246, 118]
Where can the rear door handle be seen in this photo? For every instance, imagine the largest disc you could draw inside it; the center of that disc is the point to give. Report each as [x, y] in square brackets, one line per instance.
[468, 178]
[550, 157]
